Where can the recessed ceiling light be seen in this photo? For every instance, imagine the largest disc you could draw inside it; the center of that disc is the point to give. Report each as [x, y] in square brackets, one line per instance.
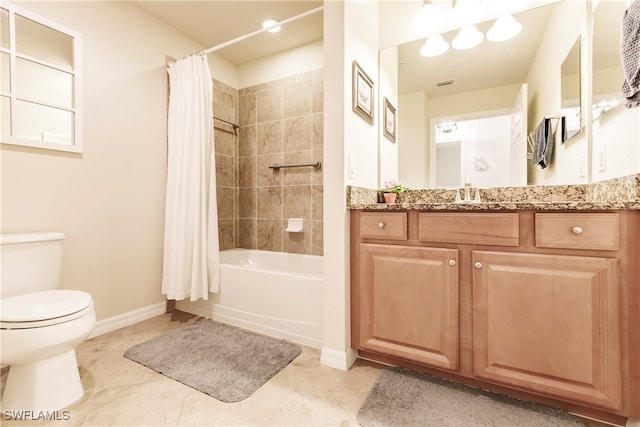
[272, 24]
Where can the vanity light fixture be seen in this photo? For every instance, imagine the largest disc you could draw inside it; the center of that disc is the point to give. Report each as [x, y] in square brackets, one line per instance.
[429, 19]
[506, 27]
[434, 46]
[467, 38]
[465, 11]
[272, 24]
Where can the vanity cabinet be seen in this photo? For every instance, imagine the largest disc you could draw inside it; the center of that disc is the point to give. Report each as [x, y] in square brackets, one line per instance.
[543, 306]
[549, 324]
[409, 303]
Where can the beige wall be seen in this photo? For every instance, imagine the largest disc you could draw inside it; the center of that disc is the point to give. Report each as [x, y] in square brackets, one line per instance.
[108, 201]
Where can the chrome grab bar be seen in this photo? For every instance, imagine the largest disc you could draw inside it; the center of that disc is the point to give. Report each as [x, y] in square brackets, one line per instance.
[276, 166]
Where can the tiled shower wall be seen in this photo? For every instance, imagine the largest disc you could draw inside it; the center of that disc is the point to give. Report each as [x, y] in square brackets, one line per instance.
[280, 122]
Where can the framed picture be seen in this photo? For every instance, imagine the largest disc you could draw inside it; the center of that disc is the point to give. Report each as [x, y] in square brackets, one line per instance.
[389, 120]
[362, 94]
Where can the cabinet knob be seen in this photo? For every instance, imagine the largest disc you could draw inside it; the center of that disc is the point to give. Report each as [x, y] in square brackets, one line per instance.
[478, 264]
[577, 230]
[381, 225]
[452, 262]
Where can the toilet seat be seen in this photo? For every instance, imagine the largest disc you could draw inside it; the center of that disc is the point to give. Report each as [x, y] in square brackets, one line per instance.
[43, 308]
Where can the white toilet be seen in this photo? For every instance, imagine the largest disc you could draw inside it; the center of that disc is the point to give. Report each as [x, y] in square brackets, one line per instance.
[40, 326]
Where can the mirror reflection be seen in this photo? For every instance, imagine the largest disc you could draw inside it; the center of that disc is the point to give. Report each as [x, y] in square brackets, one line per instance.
[570, 84]
[615, 128]
[518, 79]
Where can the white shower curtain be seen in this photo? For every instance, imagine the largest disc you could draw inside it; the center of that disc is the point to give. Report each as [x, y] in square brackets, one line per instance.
[191, 265]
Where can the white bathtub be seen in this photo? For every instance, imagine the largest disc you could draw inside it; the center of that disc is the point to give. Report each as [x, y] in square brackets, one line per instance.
[274, 293]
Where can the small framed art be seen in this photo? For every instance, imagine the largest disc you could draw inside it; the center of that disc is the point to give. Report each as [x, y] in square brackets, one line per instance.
[389, 120]
[362, 93]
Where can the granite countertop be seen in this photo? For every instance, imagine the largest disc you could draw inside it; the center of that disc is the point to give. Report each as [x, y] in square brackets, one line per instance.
[614, 194]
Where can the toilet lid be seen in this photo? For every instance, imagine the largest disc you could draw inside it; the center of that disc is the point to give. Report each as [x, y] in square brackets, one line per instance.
[43, 305]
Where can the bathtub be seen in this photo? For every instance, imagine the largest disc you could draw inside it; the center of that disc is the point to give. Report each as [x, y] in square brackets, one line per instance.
[274, 293]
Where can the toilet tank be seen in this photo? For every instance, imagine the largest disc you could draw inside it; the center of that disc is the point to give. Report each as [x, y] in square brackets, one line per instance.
[29, 262]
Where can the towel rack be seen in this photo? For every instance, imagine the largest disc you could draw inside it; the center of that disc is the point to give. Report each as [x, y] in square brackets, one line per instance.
[233, 125]
[276, 166]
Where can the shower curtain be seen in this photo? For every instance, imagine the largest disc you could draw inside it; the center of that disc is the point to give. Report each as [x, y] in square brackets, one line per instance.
[191, 264]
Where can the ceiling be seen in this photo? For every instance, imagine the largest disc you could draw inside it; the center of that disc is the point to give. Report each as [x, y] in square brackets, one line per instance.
[211, 23]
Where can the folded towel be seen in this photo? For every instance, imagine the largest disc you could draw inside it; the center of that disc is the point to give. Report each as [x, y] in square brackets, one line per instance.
[630, 53]
[543, 144]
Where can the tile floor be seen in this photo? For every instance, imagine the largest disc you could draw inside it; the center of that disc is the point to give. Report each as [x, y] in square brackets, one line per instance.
[119, 392]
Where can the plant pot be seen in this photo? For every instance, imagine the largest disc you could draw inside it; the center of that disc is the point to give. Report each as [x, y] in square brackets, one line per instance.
[390, 198]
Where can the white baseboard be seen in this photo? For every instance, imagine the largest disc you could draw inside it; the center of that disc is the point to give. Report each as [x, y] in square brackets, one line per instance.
[338, 359]
[129, 318]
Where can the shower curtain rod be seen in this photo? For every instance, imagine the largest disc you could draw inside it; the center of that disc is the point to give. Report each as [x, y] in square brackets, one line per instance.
[255, 33]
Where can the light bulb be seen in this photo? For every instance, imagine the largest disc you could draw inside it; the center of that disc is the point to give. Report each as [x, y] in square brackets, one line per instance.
[467, 38]
[428, 20]
[505, 28]
[434, 46]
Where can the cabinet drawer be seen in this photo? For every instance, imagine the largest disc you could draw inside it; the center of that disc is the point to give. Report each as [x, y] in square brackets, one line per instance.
[578, 231]
[383, 225]
[471, 228]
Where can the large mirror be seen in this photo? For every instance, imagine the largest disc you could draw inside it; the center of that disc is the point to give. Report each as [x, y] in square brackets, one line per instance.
[616, 129]
[571, 85]
[480, 105]
[40, 89]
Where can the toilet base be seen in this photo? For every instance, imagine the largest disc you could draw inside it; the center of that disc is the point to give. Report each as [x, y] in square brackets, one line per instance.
[46, 385]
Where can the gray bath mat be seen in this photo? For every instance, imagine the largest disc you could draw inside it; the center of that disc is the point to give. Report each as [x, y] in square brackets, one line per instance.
[406, 398]
[223, 361]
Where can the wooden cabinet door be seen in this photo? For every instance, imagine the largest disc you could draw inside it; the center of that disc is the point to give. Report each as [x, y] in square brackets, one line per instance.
[408, 303]
[549, 324]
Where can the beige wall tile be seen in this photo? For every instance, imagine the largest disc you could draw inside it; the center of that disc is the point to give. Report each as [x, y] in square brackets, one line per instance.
[225, 171]
[247, 172]
[298, 176]
[247, 203]
[316, 202]
[269, 234]
[266, 176]
[247, 141]
[317, 174]
[298, 133]
[224, 196]
[224, 142]
[281, 122]
[269, 202]
[318, 96]
[297, 99]
[317, 242]
[247, 109]
[226, 238]
[269, 137]
[298, 243]
[224, 105]
[297, 201]
[247, 233]
[318, 131]
[269, 105]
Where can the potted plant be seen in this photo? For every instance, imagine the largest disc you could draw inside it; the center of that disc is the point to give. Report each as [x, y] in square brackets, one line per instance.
[391, 190]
